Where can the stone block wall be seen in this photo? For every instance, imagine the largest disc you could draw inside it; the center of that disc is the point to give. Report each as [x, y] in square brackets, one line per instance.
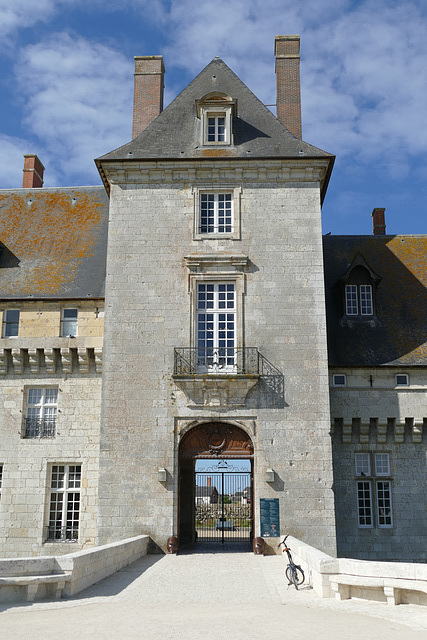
[381, 419]
[150, 311]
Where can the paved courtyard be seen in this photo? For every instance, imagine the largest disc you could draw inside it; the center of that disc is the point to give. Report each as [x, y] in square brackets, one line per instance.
[211, 596]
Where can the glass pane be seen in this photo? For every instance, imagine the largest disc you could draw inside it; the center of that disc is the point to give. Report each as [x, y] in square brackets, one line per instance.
[363, 464]
[366, 300]
[351, 299]
[382, 464]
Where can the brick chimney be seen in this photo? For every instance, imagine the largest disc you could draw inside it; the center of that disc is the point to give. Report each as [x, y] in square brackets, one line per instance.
[148, 91]
[209, 482]
[33, 172]
[288, 100]
[378, 222]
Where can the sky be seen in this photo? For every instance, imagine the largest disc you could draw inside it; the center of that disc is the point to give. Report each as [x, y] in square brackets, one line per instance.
[66, 87]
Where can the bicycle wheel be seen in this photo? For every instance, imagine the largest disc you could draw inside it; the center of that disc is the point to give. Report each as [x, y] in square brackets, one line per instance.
[295, 575]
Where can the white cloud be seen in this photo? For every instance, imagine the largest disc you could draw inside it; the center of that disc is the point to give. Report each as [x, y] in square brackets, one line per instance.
[363, 65]
[18, 14]
[78, 101]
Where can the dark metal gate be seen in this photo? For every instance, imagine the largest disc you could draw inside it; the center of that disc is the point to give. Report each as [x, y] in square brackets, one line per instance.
[223, 504]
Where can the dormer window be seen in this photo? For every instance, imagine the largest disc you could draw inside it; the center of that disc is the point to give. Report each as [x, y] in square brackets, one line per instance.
[358, 299]
[358, 287]
[215, 111]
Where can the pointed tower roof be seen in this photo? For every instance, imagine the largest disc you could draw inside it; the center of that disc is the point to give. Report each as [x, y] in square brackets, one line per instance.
[176, 132]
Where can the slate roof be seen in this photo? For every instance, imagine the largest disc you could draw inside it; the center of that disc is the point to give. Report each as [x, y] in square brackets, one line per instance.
[53, 243]
[175, 133]
[397, 336]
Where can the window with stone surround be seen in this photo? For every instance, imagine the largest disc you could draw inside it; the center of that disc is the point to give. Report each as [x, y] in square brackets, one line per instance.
[216, 212]
[10, 323]
[64, 508]
[69, 322]
[216, 111]
[216, 327]
[372, 467]
[41, 412]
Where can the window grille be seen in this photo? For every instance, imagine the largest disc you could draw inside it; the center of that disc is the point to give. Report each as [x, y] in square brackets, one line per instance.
[42, 406]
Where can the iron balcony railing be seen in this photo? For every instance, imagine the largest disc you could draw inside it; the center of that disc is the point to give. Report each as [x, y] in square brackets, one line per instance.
[62, 534]
[210, 360]
[40, 428]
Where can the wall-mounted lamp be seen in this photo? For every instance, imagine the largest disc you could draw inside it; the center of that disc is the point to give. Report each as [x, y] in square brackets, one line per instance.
[161, 475]
[269, 475]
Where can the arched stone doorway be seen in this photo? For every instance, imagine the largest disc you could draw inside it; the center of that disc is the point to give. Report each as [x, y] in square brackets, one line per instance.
[215, 442]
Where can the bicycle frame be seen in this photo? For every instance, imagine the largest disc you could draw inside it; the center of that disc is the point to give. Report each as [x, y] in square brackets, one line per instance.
[294, 573]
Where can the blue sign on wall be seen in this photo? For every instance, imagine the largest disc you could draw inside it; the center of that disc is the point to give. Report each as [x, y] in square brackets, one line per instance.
[269, 517]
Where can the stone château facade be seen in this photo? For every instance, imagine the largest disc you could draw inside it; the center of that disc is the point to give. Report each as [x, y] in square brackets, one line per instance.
[232, 330]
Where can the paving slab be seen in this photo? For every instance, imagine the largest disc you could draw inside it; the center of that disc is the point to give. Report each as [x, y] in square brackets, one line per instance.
[207, 595]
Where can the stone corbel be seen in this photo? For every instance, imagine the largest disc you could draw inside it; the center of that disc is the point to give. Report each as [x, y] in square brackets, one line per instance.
[18, 361]
[364, 432]
[83, 357]
[50, 360]
[3, 361]
[66, 360]
[382, 431]
[417, 432]
[347, 429]
[34, 360]
[399, 432]
[98, 360]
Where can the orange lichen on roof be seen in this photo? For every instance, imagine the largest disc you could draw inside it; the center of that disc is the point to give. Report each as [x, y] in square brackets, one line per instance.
[50, 233]
[217, 153]
[412, 252]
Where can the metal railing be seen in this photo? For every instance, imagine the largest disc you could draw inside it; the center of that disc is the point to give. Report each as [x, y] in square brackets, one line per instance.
[40, 428]
[226, 360]
[62, 534]
[196, 361]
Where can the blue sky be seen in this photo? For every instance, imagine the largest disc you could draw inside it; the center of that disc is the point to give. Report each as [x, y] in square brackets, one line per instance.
[66, 82]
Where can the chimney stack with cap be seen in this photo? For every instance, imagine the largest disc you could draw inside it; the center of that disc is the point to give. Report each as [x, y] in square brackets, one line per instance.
[33, 172]
[378, 222]
[148, 92]
[288, 100]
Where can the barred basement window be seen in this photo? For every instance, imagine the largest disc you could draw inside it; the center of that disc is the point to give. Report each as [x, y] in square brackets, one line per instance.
[42, 406]
[339, 380]
[64, 509]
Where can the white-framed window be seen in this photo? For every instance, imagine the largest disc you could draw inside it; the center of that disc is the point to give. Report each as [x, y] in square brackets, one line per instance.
[402, 380]
[358, 300]
[10, 323]
[382, 464]
[41, 412]
[364, 504]
[383, 490]
[363, 464]
[69, 322]
[384, 506]
[64, 507]
[216, 213]
[216, 327]
[216, 125]
[339, 380]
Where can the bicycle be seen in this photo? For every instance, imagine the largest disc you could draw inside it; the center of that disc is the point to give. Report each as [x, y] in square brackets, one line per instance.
[293, 572]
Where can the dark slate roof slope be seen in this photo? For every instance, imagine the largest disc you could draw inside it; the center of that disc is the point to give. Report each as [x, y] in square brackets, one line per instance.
[175, 133]
[53, 242]
[397, 335]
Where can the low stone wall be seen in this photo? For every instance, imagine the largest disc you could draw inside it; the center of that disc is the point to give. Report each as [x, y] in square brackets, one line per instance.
[321, 570]
[83, 568]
